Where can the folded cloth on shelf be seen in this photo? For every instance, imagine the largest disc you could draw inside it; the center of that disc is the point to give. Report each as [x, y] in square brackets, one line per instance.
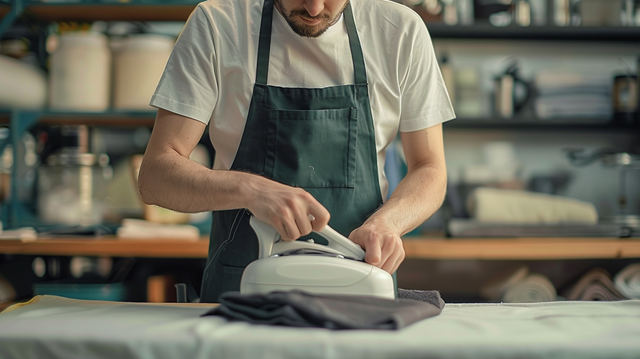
[493, 205]
[534, 288]
[468, 228]
[587, 106]
[139, 229]
[300, 309]
[627, 281]
[563, 81]
[595, 285]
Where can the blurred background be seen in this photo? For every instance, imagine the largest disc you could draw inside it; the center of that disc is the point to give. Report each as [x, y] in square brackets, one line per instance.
[543, 159]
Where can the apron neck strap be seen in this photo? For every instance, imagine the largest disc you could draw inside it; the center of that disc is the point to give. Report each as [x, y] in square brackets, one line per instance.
[264, 45]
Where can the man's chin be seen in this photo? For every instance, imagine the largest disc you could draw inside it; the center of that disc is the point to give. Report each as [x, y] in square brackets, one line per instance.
[309, 31]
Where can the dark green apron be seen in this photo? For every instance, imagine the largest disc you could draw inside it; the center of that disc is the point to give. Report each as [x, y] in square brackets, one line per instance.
[320, 139]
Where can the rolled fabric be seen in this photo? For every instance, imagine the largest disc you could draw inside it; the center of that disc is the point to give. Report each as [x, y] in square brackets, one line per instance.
[534, 288]
[493, 205]
[494, 290]
[627, 282]
[595, 285]
[22, 86]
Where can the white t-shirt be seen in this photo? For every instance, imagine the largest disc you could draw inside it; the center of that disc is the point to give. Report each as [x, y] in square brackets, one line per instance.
[211, 72]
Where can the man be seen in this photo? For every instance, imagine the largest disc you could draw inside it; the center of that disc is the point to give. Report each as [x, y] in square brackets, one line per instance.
[302, 97]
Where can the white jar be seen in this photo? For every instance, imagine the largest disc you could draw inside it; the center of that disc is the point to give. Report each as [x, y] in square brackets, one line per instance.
[21, 85]
[80, 73]
[138, 67]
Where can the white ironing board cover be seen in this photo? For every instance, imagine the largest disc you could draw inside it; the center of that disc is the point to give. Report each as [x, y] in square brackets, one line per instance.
[55, 327]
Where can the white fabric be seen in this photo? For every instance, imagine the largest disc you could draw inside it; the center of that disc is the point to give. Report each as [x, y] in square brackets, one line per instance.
[627, 281]
[211, 73]
[493, 205]
[55, 327]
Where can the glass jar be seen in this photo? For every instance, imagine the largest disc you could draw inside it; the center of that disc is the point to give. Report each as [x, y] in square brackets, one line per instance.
[72, 188]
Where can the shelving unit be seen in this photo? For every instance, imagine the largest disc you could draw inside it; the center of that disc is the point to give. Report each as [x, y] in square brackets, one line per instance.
[168, 10]
[435, 248]
[114, 117]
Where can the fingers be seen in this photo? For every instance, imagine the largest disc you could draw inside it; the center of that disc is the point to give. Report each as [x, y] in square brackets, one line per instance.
[291, 230]
[293, 212]
[318, 215]
[394, 260]
[383, 250]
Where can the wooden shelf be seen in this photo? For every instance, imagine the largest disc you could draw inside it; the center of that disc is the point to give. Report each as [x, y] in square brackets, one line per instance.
[415, 247]
[540, 125]
[109, 12]
[522, 248]
[108, 118]
[108, 247]
[546, 33]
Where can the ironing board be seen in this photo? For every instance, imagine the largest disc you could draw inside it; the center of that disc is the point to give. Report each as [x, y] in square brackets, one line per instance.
[55, 327]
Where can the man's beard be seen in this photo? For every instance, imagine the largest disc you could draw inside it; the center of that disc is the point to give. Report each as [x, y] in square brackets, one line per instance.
[307, 30]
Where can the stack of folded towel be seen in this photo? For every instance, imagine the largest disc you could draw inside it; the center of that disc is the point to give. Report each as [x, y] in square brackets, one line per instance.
[563, 94]
[493, 205]
[140, 229]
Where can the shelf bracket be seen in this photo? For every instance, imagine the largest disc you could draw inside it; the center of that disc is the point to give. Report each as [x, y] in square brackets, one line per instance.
[17, 8]
[20, 122]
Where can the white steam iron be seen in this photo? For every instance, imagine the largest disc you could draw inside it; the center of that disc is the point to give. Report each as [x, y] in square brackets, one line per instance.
[337, 268]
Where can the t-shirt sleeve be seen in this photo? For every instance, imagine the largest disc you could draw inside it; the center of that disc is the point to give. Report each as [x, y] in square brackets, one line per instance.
[188, 85]
[425, 101]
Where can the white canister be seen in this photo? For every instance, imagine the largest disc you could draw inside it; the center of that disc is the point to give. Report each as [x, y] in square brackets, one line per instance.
[22, 85]
[138, 67]
[80, 73]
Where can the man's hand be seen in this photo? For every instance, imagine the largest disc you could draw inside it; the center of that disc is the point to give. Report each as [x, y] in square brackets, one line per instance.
[292, 211]
[382, 245]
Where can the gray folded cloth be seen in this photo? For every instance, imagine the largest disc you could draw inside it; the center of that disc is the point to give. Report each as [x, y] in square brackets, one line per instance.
[301, 309]
[428, 296]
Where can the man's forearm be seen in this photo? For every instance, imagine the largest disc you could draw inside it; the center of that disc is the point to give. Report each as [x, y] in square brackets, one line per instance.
[178, 183]
[175, 182]
[417, 197]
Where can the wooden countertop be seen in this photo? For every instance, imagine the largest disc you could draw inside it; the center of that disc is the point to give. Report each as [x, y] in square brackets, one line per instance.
[415, 247]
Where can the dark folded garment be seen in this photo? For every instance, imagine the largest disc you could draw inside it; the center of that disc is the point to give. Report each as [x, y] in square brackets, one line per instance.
[301, 309]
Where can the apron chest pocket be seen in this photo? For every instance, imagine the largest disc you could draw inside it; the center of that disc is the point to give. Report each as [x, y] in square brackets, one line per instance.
[312, 149]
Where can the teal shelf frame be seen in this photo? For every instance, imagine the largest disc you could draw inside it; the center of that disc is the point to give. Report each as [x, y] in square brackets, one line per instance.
[13, 213]
[16, 9]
